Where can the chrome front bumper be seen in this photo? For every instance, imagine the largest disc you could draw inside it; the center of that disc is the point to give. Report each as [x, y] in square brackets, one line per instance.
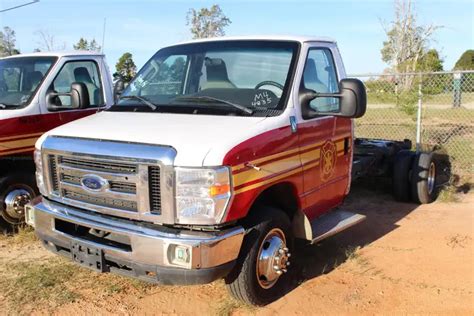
[145, 251]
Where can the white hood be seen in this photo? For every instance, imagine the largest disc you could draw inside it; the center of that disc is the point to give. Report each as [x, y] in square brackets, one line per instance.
[193, 136]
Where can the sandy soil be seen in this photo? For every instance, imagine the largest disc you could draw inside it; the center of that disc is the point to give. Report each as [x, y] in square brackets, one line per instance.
[404, 259]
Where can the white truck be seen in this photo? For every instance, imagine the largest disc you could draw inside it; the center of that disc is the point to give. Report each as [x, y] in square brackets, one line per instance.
[217, 156]
[30, 105]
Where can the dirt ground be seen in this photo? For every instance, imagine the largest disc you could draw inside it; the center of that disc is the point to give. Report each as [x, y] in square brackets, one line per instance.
[404, 259]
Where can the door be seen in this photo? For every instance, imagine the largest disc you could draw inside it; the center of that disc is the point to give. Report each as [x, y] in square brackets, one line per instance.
[20, 80]
[82, 71]
[325, 140]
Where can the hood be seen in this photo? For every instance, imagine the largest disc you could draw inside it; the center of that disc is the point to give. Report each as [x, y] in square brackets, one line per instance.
[193, 136]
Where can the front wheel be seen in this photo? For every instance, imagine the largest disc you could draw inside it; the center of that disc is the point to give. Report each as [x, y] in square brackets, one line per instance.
[16, 191]
[261, 274]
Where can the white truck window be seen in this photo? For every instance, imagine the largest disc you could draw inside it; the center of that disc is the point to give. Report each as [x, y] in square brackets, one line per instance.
[246, 69]
[211, 78]
[320, 76]
[166, 78]
[20, 78]
[85, 72]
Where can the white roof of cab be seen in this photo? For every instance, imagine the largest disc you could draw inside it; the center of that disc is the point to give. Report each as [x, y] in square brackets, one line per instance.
[59, 54]
[295, 38]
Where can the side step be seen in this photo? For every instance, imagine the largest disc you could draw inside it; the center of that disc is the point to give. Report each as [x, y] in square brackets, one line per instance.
[333, 223]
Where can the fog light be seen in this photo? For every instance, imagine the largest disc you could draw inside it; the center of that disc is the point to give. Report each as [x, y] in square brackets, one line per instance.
[179, 255]
[30, 215]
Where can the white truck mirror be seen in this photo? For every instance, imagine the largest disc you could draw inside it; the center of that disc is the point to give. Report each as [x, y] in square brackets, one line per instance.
[79, 98]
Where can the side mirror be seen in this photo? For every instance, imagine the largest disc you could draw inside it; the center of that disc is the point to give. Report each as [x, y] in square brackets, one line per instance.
[79, 96]
[118, 88]
[352, 100]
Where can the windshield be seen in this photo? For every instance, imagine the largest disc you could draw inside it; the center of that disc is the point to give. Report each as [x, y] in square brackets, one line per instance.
[20, 78]
[222, 78]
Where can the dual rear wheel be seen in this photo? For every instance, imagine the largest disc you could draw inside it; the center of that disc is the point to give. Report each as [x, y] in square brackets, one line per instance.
[416, 176]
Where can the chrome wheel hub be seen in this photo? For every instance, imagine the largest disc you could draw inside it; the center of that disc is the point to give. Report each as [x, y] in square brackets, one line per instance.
[431, 177]
[273, 258]
[15, 202]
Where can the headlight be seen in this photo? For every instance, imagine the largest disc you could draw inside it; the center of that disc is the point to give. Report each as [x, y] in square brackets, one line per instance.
[202, 195]
[39, 172]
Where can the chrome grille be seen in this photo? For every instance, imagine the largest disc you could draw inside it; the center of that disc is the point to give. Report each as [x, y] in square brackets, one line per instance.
[116, 186]
[128, 180]
[125, 190]
[97, 165]
[54, 172]
[98, 200]
[154, 180]
[123, 187]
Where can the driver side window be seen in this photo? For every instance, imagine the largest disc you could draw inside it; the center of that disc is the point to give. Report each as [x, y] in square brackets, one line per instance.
[85, 72]
[320, 75]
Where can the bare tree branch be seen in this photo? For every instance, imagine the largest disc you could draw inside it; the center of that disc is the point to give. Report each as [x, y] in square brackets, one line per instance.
[47, 42]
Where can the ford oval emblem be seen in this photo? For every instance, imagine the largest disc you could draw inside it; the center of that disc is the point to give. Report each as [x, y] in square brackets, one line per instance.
[94, 183]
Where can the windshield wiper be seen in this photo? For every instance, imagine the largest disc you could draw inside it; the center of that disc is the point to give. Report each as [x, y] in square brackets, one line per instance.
[141, 99]
[6, 106]
[212, 99]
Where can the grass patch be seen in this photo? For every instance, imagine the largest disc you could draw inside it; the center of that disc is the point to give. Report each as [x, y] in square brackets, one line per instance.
[448, 195]
[25, 235]
[229, 305]
[351, 252]
[27, 286]
[114, 284]
[38, 283]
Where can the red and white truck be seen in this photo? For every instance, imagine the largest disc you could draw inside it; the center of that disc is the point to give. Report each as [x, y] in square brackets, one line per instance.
[218, 155]
[30, 106]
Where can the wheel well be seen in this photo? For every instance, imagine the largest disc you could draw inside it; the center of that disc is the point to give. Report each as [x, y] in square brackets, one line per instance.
[282, 196]
[16, 163]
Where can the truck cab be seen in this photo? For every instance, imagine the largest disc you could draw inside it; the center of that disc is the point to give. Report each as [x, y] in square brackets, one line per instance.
[219, 153]
[36, 96]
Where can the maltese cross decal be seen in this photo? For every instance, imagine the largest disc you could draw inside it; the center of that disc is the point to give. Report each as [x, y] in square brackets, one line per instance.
[328, 160]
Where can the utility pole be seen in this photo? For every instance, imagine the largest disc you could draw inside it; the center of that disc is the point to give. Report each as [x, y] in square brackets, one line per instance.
[19, 6]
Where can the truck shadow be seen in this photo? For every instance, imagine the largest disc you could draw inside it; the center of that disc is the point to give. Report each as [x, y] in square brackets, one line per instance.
[371, 198]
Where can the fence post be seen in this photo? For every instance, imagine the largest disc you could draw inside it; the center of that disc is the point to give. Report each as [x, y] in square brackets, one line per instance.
[457, 79]
[418, 119]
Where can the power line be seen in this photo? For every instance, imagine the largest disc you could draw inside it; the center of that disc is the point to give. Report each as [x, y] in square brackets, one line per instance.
[19, 6]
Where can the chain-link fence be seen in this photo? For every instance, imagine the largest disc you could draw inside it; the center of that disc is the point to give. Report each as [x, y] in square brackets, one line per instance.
[433, 108]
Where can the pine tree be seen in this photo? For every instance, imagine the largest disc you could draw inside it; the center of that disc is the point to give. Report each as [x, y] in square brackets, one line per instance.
[125, 67]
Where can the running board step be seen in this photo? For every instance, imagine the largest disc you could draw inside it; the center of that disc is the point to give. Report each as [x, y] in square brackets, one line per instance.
[333, 223]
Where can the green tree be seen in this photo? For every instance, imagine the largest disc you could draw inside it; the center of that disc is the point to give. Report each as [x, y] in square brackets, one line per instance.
[206, 22]
[430, 61]
[466, 61]
[7, 42]
[125, 67]
[83, 44]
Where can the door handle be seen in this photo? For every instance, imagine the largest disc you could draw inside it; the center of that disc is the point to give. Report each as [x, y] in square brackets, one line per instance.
[347, 145]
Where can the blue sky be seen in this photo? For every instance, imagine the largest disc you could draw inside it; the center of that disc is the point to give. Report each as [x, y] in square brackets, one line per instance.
[143, 26]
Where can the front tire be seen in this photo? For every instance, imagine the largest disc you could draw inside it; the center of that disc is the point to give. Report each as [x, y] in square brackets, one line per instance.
[261, 274]
[16, 190]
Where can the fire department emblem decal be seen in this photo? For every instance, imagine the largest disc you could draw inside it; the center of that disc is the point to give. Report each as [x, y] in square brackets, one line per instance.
[328, 160]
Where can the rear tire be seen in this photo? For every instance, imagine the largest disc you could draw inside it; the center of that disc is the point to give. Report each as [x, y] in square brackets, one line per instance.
[424, 185]
[401, 175]
[254, 280]
[15, 190]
